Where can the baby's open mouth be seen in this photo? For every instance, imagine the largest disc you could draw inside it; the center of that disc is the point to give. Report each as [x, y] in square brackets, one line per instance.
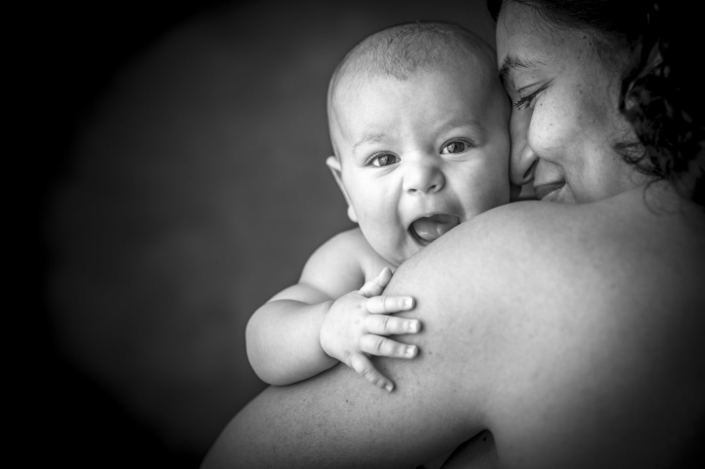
[426, 230]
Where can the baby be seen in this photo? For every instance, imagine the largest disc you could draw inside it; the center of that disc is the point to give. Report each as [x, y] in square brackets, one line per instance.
[419, 126]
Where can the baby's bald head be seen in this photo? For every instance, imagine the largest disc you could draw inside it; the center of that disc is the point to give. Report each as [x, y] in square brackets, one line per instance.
[400, 51]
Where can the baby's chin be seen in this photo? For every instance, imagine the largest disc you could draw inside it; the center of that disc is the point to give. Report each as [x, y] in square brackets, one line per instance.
[420, 234]
[398, 256]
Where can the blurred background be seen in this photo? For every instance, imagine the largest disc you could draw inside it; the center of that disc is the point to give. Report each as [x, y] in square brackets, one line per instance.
[180, 153]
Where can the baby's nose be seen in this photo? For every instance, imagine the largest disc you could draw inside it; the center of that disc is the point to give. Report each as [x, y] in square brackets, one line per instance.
[423, 178]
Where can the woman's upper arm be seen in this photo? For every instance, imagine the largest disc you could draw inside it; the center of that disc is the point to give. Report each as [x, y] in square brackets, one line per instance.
[338, 420]
[441, 398]
[533, 336]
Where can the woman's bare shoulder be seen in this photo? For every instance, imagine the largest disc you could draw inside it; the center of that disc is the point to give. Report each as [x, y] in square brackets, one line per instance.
[627, 235]
[577, 318]
[593, 269]
[551, 326]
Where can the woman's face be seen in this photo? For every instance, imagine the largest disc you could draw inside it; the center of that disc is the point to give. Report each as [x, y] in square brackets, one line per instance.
[565, 121]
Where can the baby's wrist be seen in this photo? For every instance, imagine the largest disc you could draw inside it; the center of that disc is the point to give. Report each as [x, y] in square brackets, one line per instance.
[324, 308]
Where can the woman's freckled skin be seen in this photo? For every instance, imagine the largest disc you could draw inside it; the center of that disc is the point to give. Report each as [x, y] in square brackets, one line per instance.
[575, 146]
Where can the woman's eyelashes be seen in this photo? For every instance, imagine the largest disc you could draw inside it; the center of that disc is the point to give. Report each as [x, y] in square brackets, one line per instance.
[528, 100]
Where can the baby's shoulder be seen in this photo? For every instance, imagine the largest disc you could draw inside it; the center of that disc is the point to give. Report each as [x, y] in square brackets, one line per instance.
[350, 251]
[356, 245]
[341, 264]
[349, 244]
[349, 238]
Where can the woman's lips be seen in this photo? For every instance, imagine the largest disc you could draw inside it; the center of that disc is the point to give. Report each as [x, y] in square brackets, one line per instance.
[543, 190]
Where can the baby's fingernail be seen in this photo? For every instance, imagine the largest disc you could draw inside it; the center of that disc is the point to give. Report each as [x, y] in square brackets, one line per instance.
[408, 302]
[410, 351]
[389, 387]
[414, 326]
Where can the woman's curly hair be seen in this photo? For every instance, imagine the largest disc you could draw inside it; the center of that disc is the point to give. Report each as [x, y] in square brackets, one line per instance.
[659, 95]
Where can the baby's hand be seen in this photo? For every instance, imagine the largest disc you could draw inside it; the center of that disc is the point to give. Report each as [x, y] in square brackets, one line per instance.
[356, 322]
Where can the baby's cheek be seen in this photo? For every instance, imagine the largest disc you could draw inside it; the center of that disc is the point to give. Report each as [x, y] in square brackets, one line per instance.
[484, 185]
[378, 231]
[492, 190]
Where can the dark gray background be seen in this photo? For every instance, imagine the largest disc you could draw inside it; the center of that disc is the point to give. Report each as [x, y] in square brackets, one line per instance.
[183, 183]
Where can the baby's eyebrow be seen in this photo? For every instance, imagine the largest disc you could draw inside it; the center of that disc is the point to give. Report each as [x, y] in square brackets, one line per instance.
[369, 137]
[511, 63]
[465, 123]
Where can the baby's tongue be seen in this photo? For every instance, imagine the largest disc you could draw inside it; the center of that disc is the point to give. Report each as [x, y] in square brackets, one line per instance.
[430, 229]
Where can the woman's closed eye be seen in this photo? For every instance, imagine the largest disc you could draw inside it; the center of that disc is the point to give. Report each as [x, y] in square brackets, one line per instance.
[383, 159]
[528, 100]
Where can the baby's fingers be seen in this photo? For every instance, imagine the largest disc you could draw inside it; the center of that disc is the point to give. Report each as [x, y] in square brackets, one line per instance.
[384, 347]
[377, 285]
[389, 304]
[387, 325]
[364, 367]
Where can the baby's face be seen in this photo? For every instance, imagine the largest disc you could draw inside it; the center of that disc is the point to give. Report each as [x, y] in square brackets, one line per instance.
[418, 157]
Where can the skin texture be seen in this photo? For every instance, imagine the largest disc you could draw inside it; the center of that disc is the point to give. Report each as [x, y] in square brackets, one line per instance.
[435, 143]
[566, 133]
[433, 146]
[573, 333]
[600, 372]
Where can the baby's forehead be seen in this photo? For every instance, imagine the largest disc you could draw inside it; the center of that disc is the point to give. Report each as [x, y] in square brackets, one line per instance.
[443, 99]
[470, 62]
[399, 54]
[467, 76]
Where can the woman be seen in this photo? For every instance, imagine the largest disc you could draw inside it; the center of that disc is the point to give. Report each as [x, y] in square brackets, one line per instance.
[567, 334]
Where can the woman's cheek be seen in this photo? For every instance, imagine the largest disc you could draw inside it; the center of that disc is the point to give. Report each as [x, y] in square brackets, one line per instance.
[552, 131]
[541, 135]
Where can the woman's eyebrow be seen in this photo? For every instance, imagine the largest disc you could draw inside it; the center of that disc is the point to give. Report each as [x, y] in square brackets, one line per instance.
[511, 63]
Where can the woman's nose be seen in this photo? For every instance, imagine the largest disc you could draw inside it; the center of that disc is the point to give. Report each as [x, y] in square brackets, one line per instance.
[423, 177]
[523, 159]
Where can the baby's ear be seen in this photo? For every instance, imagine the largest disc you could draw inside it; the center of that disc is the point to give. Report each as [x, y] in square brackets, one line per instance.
[333, 164]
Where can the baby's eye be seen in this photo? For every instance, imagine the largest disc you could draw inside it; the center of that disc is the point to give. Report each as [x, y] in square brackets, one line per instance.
[385, 159]
[455, 147]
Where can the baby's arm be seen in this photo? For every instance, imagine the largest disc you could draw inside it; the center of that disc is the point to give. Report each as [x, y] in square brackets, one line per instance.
[302, 331]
